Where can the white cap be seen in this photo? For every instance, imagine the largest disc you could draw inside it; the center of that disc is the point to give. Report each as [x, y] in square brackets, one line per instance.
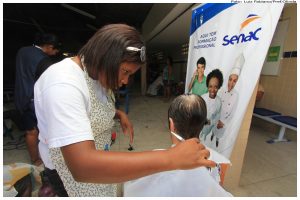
[238, 65]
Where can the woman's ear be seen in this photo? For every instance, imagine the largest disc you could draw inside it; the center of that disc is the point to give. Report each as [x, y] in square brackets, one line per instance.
[171, 124]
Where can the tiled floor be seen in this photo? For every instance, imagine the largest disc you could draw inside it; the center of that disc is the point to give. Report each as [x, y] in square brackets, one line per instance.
[268, 170]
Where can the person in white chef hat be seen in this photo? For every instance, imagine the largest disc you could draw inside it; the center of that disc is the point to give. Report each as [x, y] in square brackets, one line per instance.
[229, 98]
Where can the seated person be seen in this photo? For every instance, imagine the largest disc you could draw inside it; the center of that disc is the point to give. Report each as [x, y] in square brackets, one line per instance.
[187, 116]
[154, 87]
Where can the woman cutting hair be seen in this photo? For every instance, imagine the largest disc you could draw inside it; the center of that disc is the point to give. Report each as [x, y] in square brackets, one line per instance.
[74, 104]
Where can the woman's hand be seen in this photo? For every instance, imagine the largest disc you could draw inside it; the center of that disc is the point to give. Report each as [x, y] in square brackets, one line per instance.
[190, 154]
[125, 124]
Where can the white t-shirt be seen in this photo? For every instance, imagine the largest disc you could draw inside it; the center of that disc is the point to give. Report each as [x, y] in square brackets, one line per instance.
[196, 182]
[62, 106]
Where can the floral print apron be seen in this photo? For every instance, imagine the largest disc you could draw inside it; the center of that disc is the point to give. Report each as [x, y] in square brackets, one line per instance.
[101, 117]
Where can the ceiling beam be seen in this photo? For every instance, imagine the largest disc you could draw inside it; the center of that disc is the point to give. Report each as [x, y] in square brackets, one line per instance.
[172, 15]
[78, 11]
[91, 27]
[37, 25]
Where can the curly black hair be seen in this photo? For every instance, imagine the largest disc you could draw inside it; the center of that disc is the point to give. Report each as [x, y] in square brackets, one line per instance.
[215, 73]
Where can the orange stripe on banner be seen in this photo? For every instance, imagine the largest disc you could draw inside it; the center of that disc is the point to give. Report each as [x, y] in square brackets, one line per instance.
[246, 22]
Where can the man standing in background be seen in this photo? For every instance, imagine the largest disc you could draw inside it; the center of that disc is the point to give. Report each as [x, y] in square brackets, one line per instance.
[26, 62]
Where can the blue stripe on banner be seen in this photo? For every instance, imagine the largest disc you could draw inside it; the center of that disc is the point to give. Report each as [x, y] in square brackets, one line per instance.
[205, 13]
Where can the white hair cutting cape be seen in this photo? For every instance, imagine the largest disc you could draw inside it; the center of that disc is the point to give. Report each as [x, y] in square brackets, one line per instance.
[180, 183]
